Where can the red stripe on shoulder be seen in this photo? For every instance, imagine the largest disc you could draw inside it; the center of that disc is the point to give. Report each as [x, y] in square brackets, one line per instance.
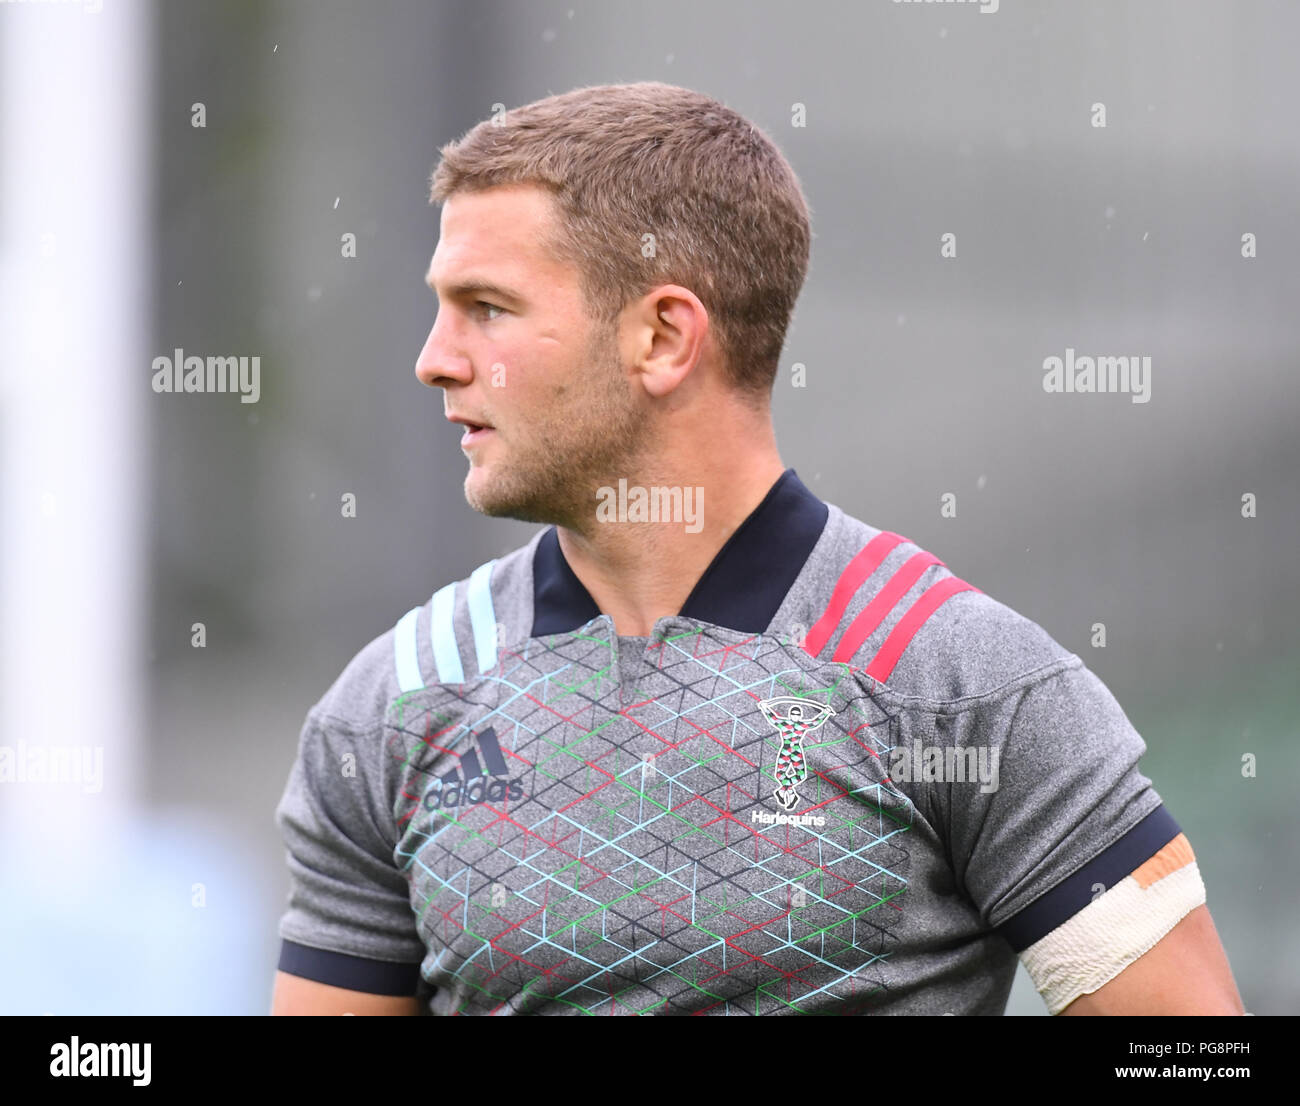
[875, 612]
[867, 560]
[882, 664]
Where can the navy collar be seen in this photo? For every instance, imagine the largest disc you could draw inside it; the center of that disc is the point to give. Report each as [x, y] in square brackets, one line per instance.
[742, 588]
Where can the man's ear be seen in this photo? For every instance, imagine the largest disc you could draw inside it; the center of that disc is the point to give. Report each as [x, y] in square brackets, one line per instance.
[671, 326]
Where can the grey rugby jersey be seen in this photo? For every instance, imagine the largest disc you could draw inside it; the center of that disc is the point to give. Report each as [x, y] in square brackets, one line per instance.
[840, 780]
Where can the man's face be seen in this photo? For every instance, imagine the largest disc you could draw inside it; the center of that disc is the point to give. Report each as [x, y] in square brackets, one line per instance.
[523, 359]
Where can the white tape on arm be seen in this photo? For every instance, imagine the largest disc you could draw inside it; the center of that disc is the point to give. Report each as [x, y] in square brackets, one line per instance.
[1091, 948]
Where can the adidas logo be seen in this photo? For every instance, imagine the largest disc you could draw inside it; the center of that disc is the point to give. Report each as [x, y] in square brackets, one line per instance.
[475, 783]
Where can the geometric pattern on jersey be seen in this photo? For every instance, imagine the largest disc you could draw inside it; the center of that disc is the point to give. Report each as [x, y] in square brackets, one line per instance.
[634, 874]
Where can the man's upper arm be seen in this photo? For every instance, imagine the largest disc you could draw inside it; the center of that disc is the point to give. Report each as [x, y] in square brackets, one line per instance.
[294, 995]
[1074, 859]
[1145, 946]
[348, 929]
[1186, 972]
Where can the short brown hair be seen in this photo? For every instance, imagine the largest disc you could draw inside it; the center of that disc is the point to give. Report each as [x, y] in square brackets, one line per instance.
[729, 219]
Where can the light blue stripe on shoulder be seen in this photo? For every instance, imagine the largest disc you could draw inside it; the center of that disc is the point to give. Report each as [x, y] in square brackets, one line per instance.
[482, 617]
[446, 654]
[407, 652]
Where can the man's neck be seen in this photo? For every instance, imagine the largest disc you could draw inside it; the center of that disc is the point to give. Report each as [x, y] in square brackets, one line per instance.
[639, 572]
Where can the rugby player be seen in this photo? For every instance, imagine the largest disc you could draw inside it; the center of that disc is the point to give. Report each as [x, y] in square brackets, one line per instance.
[706, 743]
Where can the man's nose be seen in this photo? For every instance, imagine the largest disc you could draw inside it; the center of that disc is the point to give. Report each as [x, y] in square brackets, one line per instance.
[439, 364]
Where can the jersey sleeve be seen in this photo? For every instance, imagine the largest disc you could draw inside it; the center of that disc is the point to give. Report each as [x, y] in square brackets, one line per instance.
[1064, 817]
[349, 921]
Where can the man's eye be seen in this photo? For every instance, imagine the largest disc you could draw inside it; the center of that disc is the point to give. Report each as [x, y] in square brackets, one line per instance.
[490, 307]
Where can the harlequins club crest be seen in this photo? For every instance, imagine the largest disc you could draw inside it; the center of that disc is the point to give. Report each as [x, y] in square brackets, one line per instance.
[792, 718]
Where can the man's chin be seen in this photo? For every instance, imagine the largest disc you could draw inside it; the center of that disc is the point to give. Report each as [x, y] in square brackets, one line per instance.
[479, 492]
[488, 496]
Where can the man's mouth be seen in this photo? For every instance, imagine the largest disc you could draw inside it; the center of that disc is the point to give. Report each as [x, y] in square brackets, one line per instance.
[474, 433]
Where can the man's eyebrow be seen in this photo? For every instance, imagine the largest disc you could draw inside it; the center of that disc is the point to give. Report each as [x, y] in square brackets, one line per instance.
[466, 288]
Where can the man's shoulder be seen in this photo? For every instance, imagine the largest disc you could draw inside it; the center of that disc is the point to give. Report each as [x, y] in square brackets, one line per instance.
[893, 608]
[453, 637]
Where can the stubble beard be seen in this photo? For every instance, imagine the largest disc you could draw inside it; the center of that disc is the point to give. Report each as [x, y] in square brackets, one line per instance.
[590, 436]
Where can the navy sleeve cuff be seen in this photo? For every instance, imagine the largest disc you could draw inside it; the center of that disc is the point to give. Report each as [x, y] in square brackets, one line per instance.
[353, 973]
[1073, 893]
